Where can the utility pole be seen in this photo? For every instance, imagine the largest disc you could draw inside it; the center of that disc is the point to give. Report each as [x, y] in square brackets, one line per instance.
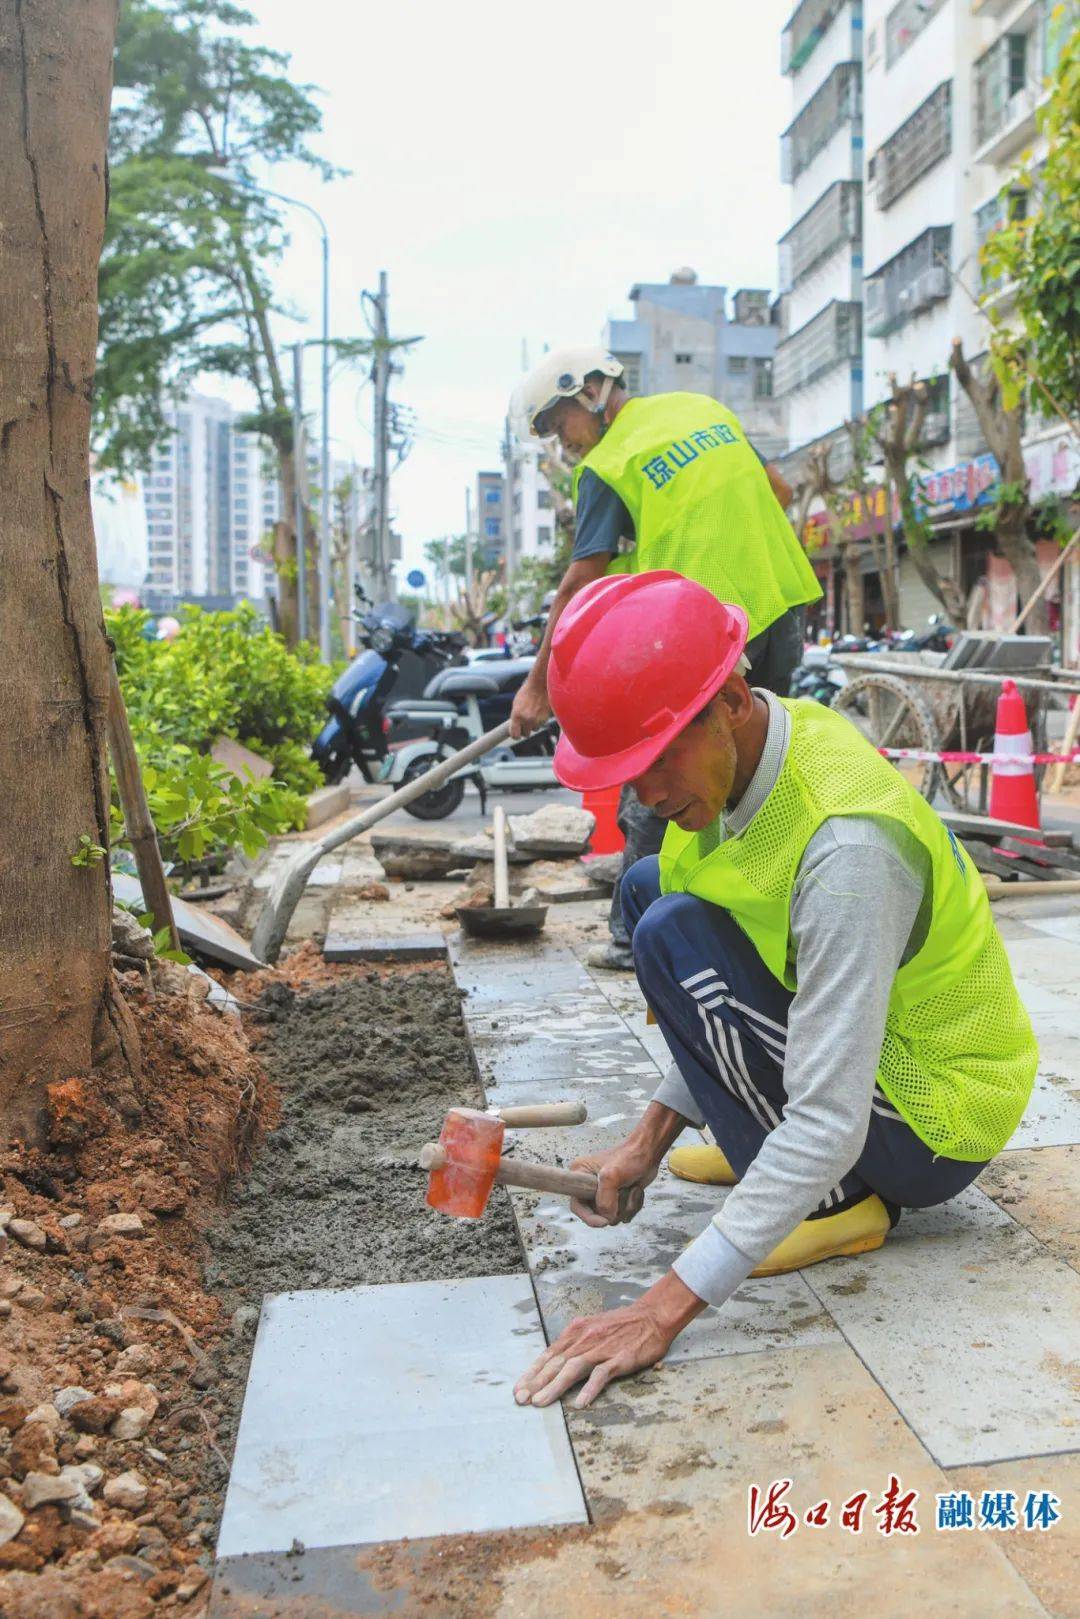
[381, 434]
[324, 526]
[299, 481]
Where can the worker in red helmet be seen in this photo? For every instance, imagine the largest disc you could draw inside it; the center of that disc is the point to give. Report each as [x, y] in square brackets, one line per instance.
[817, 949]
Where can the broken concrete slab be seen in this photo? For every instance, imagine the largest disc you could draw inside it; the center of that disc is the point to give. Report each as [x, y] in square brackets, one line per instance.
[200, 930]
[431, 855]
[557, 829]
[970, 1326]
[374, 1413]
[241, 761]
[325, 804]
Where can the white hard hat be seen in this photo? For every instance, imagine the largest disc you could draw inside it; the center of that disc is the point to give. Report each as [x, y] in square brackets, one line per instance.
[561, 374]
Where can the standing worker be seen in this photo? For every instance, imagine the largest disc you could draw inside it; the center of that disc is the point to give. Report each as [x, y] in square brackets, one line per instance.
[675, 475]
[817, 948]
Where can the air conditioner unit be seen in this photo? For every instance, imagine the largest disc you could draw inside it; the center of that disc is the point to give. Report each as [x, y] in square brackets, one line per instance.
[929, 287]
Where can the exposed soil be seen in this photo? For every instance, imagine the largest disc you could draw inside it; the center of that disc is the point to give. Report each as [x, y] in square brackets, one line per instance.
[236, 1196]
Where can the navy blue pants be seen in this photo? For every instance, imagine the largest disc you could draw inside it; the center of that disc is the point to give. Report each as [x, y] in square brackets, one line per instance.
[724, 1017]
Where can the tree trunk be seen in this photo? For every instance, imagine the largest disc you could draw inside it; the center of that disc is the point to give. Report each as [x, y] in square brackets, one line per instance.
[854, 590]
[1019, 551]
[57, 999]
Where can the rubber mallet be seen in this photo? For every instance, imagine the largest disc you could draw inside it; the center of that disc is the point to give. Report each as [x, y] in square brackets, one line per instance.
[466, 1162]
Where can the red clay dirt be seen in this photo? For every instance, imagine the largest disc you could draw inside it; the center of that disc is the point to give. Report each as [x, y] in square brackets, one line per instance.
[162, 1150]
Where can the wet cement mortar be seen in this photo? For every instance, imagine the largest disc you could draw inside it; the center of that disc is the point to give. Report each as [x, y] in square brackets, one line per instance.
[367, 1068]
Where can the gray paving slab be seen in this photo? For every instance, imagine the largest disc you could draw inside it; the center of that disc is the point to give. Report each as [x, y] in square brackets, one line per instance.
[378, 1413]
[1052, 1116]
[429, 946]
[970, 1326]
[200, 930]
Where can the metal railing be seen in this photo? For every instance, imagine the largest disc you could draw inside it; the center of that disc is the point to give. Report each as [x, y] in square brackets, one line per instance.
[909, 283]
[905, 23]
[920, 142]
[806, 28]
[834, 219]
[837, 102]
[830, 338]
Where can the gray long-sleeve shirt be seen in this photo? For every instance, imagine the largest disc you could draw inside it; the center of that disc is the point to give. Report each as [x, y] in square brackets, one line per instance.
[860, 909]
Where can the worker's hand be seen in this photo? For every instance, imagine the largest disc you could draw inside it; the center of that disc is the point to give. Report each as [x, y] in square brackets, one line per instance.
[531, 709]
[596, 1348]
[628, 1164]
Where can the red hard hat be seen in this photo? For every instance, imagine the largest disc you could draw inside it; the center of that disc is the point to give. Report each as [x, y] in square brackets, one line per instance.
[634, 657]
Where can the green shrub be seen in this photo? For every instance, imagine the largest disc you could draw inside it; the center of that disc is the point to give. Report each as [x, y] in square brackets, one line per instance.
[225, 674]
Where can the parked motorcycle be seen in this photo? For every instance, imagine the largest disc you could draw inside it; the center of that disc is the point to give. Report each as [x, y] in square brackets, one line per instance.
[817, 677]
[394, 741]
[356, 731]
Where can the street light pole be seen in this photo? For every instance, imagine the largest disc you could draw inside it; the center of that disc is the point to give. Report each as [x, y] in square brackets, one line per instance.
[299, 513]
[324, 477]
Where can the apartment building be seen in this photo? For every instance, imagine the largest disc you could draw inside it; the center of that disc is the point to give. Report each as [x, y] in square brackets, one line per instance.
[818, 371]
[683, 340]
[940, 100]
[209, 497]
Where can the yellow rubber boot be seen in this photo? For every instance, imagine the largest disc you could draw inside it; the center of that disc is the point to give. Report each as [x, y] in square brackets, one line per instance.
[706, 1165]
[857, 1230]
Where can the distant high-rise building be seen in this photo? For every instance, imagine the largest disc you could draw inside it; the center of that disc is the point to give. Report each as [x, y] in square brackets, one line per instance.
[210, 497]
[490, 520]
[682, 340]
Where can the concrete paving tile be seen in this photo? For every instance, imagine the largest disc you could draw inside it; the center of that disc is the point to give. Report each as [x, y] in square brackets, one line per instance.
[668, 1461]
[970, 1326]
[1042, 1191]
[1046, 1559]
[374, 1413]
[341, 946]
[1052, 1116]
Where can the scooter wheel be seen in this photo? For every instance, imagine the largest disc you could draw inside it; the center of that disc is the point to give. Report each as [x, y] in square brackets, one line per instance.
[436, 805]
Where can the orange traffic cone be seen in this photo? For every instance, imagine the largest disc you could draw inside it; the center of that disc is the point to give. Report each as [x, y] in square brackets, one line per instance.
[1012, 786]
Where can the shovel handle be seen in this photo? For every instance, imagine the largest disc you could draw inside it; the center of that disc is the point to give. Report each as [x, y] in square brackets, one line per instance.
[520, 1118]
[502, 877]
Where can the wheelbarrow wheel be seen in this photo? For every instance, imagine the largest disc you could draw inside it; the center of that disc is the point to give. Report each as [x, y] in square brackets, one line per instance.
[892, 713]
[436, 805]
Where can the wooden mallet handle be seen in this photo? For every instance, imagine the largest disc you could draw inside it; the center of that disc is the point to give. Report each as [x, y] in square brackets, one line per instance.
[579, 1183]
[518, 1118]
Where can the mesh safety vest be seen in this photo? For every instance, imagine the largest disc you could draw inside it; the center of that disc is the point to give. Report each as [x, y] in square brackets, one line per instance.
[702, 505]
[959, 1055]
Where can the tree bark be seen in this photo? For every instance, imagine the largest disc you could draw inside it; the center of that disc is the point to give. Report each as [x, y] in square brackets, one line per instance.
[57, 1000]
[1002, 431]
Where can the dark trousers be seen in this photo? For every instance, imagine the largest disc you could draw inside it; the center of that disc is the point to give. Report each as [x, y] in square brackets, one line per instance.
[724, 1017]
[774, 655]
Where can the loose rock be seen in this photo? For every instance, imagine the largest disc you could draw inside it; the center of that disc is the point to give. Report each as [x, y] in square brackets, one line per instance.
[132, 1423]
[122, 1225]
[31, 1299]
[126, 1490]
[46, 1414]
[96, 1414]
[47, 1489]
[557, 829]
[136, 1359]
[66, 1399]
[11, 1520]
[28, 1233]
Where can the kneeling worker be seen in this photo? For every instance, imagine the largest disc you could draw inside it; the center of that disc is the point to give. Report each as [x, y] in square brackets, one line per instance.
[816, 946]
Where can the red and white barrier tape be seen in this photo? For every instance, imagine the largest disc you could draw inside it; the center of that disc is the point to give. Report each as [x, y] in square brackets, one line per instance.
[921, 756]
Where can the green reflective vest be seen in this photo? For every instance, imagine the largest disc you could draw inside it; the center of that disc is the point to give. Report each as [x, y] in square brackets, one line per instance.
[702, 505]
[959, 1055]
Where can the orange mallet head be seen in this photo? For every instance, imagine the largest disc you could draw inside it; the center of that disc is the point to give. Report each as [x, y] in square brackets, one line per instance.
[463, 1169]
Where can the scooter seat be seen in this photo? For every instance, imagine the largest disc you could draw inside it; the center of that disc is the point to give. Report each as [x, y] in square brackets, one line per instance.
[419, 705]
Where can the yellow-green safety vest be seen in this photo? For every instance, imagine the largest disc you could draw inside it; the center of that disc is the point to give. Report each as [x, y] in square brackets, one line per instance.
[959, 1055]
[701, 504]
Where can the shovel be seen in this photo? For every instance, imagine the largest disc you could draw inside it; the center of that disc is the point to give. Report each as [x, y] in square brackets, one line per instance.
[501, 920]
[284, 895]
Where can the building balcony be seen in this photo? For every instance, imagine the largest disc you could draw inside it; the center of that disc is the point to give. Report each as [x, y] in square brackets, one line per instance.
[834, 220]
[920, 142]
[910, 283]
[833, 337]
[837, 102]
[990, 8]
[805, 29]
[1007, 91]
[904, 23]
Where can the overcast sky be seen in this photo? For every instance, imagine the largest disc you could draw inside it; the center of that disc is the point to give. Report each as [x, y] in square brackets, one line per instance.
[515, 169]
